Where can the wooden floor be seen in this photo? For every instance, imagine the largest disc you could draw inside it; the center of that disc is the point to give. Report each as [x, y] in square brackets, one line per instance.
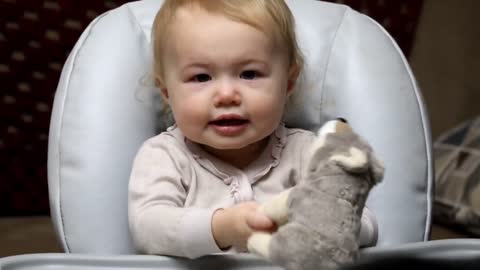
[27, 235]
[35, 235]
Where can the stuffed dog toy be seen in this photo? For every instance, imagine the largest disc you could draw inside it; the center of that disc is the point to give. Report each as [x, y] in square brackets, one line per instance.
[319, 219]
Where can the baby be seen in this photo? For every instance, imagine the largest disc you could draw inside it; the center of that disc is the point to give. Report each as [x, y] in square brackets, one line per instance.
[226, 69]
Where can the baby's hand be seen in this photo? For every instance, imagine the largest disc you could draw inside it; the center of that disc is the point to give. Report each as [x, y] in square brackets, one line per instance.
[258, 221]
[233, 226]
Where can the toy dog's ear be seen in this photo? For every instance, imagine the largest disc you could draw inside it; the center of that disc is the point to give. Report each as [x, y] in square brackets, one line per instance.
[356, 160]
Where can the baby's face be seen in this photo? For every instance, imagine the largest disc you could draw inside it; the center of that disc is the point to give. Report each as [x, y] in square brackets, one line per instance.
[225, 81]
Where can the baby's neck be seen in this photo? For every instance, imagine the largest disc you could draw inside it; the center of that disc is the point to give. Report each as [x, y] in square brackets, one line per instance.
[239, 158]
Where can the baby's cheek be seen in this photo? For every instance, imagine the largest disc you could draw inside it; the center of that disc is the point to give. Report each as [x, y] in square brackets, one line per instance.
[190, 110]
[268, 107]
[194, 112]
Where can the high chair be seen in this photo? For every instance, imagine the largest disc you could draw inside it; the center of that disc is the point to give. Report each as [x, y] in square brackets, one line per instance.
[105, 107]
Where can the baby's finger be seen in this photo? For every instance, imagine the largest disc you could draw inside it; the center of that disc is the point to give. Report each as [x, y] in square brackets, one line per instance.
[258, 221]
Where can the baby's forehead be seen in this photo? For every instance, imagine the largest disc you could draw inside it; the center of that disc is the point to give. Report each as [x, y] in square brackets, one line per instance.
[191, 15]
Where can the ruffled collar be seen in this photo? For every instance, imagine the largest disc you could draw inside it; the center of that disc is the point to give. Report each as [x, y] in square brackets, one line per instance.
[266, 161]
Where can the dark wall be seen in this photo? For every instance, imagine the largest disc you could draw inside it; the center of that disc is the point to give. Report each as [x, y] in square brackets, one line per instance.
[35, 39]
[446, 61]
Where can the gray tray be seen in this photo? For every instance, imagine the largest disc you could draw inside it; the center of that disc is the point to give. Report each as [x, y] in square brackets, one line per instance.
[117, 262]
[451, 254]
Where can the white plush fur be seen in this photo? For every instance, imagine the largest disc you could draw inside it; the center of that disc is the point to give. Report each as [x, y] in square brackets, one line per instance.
[259, 243]
[329, 127]
[277, 208]
[357, 159]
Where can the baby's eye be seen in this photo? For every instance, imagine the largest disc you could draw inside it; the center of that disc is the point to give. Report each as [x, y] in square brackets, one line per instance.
[249, 75]
[201, 77]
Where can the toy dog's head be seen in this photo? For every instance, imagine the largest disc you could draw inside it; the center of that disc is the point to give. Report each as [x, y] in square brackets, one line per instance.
[337, 144]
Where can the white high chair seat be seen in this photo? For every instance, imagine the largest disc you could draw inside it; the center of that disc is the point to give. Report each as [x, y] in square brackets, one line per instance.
[104, 110]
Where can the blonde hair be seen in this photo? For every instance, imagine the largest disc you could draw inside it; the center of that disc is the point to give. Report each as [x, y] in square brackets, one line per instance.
[269, 16]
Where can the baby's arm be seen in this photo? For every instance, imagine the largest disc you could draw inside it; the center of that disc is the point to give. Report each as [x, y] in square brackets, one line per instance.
[159, 224]
[368, 229]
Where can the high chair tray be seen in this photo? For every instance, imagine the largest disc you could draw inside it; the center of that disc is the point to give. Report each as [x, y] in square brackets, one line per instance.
[461, 254]
[56, 261]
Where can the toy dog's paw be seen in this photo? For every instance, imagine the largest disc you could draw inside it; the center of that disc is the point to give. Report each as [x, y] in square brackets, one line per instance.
[259, 243]
[277, 208]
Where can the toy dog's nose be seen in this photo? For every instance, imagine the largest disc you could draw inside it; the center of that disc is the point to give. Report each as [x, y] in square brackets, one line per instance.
[342, 120]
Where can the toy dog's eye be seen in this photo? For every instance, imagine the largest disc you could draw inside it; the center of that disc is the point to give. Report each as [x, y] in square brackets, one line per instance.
[342, 120]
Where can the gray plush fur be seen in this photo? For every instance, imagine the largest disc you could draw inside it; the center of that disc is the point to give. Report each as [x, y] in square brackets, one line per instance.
[324, 210]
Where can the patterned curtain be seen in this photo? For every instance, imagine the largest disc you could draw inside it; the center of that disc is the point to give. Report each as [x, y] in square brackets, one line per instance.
[398, 17]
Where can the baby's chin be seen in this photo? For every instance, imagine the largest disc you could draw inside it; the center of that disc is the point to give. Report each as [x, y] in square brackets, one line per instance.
[224, 147]
[240, 146]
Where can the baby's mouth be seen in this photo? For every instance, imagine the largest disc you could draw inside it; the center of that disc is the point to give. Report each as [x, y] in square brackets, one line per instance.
[229, 122]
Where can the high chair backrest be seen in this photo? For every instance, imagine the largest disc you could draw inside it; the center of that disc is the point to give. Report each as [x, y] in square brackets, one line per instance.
[105, 108]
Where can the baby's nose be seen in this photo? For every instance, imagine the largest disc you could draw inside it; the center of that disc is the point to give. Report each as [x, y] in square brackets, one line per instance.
[227, 94]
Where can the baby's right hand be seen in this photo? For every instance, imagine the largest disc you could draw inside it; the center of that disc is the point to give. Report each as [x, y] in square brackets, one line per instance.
[233, 226]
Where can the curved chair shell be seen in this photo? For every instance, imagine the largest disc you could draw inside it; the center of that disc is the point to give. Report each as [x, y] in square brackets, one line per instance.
[104, 109]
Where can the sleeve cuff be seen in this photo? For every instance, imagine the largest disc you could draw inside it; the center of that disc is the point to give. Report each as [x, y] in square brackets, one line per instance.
[195, 230]
[368, 229]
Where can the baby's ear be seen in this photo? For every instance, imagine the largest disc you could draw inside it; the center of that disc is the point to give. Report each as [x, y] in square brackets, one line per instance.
[164, 92]
[293, 74]
[163, 89]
